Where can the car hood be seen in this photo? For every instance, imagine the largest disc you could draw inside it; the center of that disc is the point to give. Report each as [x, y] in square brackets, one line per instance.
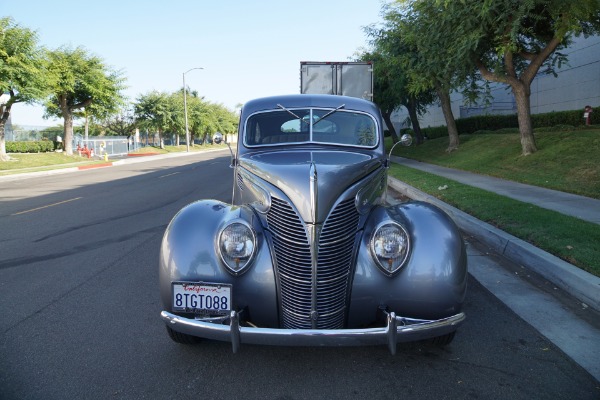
[292, 172]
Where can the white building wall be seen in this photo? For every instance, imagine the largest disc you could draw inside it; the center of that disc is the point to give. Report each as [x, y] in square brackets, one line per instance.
[578, 83]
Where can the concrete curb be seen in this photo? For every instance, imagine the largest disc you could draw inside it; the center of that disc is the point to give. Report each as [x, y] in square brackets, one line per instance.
[583, 285]
[26, 175]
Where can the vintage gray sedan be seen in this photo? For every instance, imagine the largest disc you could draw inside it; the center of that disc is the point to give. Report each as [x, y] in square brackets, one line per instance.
[308, 253]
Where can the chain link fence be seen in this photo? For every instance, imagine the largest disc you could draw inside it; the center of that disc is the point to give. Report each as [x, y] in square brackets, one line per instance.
[111, 145]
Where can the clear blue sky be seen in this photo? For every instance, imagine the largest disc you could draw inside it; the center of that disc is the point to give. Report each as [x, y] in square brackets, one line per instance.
[248, 49]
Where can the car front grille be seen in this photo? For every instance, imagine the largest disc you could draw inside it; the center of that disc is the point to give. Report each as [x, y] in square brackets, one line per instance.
[313, 297]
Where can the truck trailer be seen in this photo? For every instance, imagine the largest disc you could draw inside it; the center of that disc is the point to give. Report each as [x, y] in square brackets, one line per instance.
[353, 79]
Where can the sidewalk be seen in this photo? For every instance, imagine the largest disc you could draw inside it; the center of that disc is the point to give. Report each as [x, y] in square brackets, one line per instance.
[581, 284]
[565, 203]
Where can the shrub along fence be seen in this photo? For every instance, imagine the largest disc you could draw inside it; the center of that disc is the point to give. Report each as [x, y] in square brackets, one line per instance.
[41, 146]
[503, 123]
[111, 145]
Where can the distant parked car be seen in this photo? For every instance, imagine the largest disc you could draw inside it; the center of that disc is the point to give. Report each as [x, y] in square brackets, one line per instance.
[308, 253]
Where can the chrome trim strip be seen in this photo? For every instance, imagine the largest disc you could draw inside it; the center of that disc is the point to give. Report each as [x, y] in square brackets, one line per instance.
[398, 329]
[313, 183]
[313, 239]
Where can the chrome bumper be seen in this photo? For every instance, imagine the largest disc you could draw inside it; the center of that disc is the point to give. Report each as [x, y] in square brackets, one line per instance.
[398, 329]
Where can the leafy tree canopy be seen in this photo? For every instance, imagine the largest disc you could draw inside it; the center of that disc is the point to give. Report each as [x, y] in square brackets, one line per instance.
[164, 112]
[79, 81]
[21, 63]
[21, 71]
[507, 40]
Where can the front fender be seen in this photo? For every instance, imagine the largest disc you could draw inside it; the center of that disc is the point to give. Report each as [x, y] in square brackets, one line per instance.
[189, 253]
[432, 283]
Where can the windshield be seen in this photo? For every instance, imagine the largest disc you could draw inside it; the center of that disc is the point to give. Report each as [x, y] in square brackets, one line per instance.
[309, 125]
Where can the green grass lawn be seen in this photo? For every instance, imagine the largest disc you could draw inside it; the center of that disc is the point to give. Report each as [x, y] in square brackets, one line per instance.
[566, 160]
[32, 162]
[569, 238]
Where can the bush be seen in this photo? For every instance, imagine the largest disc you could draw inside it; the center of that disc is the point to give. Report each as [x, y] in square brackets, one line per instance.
[506, 130]
[486, 122]
[558, 120]
[435, 132]
[573, 118]
[41, 146]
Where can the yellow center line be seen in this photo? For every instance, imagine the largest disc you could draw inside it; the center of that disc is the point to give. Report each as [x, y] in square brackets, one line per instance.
[49, 205]
[174, 173]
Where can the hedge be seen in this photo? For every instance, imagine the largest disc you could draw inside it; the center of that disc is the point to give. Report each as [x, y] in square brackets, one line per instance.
[504, 123]
[41, 146]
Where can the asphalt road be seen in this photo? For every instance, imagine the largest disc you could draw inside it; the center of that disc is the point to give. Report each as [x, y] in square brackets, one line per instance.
[80, 311]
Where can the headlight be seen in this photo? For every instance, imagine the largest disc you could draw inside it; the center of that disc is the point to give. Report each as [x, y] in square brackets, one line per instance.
[236, 246]
[390, 247]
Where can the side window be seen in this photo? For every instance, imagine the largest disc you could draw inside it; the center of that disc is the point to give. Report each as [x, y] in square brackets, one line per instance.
[365, 132]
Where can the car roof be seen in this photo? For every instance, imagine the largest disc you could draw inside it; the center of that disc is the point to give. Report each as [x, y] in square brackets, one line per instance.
[309, 100]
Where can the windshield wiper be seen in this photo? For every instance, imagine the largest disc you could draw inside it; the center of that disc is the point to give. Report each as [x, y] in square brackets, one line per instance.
[328, 114]
[285, 109]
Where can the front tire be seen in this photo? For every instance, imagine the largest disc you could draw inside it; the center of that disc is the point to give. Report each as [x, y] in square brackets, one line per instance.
[182, 338]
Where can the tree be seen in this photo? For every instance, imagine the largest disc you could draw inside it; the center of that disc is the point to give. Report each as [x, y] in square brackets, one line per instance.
[510, 40]
[164, 112]
[121, 124]
[21, 75]
[79, 80]
[427, 64]
[176, 123]
[392, 79]
[227, 119]
[421, 53]
[156, 111]
[208, 118]
[386, 95]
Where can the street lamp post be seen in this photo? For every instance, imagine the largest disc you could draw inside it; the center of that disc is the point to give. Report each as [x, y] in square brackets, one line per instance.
[187, 132]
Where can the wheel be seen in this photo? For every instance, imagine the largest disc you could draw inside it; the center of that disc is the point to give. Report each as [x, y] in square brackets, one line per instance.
[441, 341]
[182, 338]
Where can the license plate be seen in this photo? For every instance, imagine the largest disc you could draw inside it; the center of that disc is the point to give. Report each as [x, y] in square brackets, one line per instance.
[201, 297]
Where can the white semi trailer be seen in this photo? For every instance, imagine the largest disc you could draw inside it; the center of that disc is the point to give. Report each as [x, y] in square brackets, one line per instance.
[353, 79]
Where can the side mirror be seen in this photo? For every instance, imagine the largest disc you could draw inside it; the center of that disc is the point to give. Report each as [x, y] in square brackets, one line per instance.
[406, 140]
[218, 138]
